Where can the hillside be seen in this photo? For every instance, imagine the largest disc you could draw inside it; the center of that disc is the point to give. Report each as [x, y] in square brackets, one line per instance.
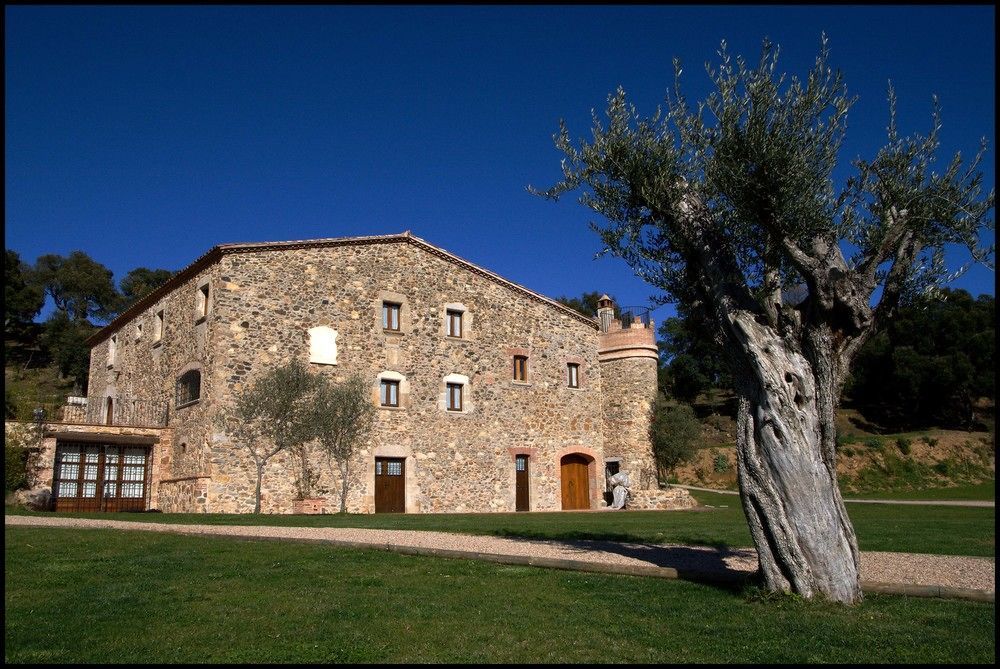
[869, 460]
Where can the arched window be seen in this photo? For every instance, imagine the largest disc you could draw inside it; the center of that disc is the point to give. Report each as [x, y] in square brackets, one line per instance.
[188, 388]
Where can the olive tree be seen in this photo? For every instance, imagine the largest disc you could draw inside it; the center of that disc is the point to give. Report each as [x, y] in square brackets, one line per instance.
[271, 415]
[343, 418]
[731, 206]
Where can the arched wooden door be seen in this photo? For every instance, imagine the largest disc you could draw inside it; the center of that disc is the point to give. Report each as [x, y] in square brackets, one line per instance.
[575, 482]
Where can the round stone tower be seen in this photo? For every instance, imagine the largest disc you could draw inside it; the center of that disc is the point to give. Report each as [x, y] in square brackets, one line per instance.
[628, 356]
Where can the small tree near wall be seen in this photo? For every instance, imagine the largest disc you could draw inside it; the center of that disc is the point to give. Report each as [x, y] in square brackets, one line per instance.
[343, 418]
[272, 415]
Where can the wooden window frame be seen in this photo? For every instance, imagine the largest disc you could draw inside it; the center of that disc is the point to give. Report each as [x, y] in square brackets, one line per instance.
[385, 385]
[573, 374]
[520, 369]
[387, 310]
[453, 316]
[452, 394]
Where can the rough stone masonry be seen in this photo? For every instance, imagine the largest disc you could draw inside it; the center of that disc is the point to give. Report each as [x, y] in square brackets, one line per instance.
[243, 308]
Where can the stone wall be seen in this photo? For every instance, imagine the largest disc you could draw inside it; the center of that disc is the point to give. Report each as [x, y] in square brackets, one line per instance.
[265, 299]
[158, 439]
[267, 302]
[148, 369]
[669, 499]
[629, 382]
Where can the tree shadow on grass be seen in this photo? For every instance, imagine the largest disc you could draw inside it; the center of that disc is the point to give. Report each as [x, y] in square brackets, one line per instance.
[706, 564]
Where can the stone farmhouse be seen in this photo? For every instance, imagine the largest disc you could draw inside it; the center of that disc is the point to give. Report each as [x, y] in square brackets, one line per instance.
[491, 397]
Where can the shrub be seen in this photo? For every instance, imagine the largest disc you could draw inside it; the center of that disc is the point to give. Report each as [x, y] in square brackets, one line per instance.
[674, 432]
[903, 444]
[874, 443]
[720, 463]
[849, 452]
[944, 467]
[15, 463]
[932, 441]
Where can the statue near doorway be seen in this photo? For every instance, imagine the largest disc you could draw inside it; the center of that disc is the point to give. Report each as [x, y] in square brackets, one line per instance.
[620, 490]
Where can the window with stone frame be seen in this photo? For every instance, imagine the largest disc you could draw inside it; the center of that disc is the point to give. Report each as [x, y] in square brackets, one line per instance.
[454, 397]
[188, 389]
[201, 307]
[112, 350]
[158, 328]
[454, 323]
[390, 316]
[521, 368]
[573, 374]
[389, 393]
[138, 331]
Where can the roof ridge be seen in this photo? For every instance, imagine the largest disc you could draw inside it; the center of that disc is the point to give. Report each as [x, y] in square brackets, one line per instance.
[217, 251]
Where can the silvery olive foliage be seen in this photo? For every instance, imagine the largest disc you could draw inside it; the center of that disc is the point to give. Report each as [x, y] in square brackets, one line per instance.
[754, 164]
[731, 208]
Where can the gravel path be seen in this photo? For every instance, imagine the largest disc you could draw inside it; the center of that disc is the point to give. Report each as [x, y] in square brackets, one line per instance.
[881, 567]
[920, 502]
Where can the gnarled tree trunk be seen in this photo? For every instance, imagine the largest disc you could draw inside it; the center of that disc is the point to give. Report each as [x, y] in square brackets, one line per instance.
[786, 466]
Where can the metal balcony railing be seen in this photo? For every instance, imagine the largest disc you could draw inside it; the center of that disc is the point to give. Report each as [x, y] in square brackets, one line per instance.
[630, 315]
[124, 411]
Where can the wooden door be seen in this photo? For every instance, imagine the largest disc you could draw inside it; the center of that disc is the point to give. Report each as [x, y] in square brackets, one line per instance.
[390, 485]
[521, 483]
[575, 484]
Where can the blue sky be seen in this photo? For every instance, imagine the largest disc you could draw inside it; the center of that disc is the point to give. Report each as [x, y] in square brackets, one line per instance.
[145, 136]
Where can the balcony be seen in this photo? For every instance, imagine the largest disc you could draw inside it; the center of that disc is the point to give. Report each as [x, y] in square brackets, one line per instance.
[121, 411]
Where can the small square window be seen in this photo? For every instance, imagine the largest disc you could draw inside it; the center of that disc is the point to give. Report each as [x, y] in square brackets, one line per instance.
[521, 368]
[390, 316]
[573, 374]
[454, 319]
[389, 393]
[454, 397]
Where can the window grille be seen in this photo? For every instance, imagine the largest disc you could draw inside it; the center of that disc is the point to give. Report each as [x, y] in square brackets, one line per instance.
[188, 388]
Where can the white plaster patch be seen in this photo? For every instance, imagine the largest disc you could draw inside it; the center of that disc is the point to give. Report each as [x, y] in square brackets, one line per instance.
[323, 345]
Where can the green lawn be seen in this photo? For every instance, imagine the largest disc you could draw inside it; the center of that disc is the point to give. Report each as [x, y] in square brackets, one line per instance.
[978, 491]
[913, 529]
[104, 596]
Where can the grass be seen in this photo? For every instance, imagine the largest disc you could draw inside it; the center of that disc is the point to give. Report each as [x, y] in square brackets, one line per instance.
[912, 529]
[104, 596]
[978, 491]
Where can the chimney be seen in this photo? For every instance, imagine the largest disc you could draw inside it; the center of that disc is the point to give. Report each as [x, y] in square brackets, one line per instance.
[605, 312]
